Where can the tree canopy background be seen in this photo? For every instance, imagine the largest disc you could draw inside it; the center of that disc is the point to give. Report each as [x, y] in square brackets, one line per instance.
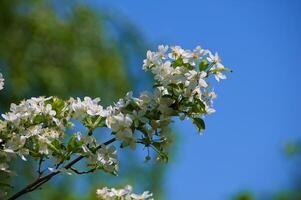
[61, 48]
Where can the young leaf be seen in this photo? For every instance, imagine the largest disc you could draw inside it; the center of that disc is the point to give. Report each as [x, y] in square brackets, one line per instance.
[203, 65]
[199, 123]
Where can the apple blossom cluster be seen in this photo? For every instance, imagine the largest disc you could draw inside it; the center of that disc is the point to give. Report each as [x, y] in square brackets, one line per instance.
[42, 127]
[183, 74]
[122, 194]
[37, 127]
[1, 82]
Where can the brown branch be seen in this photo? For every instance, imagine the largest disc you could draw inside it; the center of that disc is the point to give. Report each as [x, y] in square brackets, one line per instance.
[43, 179]
[59, 164]
[40, 172]
[81, 172]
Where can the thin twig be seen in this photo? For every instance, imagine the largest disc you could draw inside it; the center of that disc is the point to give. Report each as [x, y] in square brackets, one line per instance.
[40, 172]
[81, 172]
[43, 179]
[59, 164]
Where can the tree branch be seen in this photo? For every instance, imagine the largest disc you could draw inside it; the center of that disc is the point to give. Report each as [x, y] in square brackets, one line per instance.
[81, 172]
[43, 179]
[40, 172]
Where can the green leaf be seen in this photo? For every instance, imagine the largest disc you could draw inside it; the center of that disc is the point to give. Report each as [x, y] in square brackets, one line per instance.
[199, 123]
[159, 146]
[54, 149]
[177, 63]
[35, 154]
[57, 147]
[203, 65]
[163, 157]
[198, 107]
[58, 105]
[174, 85]
[220, 70]
[72, 144]
[38, 119]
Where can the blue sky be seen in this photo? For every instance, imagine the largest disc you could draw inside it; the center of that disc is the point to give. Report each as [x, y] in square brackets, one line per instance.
[257, 107]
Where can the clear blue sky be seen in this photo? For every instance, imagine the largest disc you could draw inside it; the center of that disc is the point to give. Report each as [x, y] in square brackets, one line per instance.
[258, 106]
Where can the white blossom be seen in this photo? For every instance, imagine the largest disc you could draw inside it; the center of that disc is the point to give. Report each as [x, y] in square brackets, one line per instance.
[106, 157]
[176, 52]
[162, 49]
[198, 52]
[120, 123]
[139, 116]
[1, 82]
[217, 66]
[88, 106]
[202, 81]
[214, 58]
[218, 75]
[144, 195]
[152, 58]
[125, 193]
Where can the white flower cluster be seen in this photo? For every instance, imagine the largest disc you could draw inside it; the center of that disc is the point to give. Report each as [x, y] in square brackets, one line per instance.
[185, 73]
[28, 110]
[121, 124]
[104, 158]
[43, 122]
[86, 107]
[122, 194]
[37, 126]
[161, 62]
[33, 120]
[1, 82]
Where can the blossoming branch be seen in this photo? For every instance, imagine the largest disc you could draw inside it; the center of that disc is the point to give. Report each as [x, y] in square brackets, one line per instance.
[36, 127]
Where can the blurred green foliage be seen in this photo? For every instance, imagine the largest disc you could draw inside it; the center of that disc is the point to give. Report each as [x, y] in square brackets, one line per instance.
[293, 148]
[44, 53]
[243, 196]
[66, 48]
